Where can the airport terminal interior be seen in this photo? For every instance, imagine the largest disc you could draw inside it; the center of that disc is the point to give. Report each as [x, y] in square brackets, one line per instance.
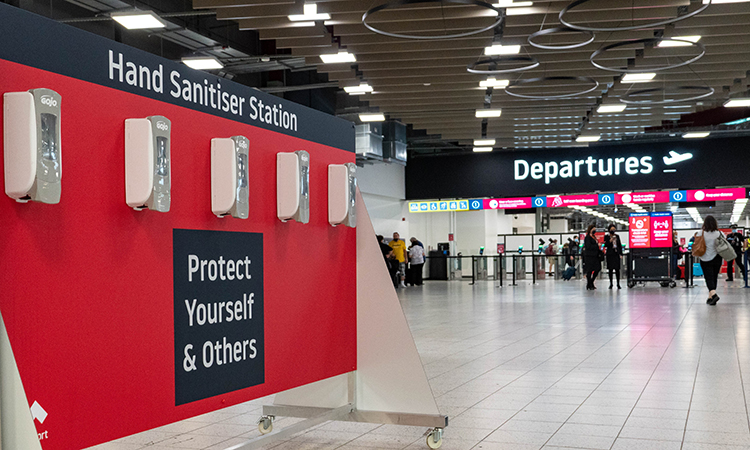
[558, 188]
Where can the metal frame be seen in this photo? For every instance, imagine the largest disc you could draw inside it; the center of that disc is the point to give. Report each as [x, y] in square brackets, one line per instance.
[396, 3]
[522, 82]
[471, 68]
[549, 31]
[569, 7]
[645, 43]
[709, 92]
[346, 413]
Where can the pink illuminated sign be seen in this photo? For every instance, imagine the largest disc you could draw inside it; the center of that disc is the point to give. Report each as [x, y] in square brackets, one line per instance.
[710, 195]
[507, 203]
[642, 197]
[570, 200]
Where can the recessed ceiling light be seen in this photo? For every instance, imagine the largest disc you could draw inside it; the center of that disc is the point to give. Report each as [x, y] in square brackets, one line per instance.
[482, 149]
[340, 57]
[669, 43]
[363, 88]
[591, 138]
[638, 77]
[310, 14]
[202, 62]
[500, 49]
[612, 108]
[372, 117]
[696, 135]
[486, 113]
[484, 142]
[737, 102]
[138, 20]
[512, 4]
[491, 82]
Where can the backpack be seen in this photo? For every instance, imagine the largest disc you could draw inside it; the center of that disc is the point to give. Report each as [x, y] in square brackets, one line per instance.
[550, 250]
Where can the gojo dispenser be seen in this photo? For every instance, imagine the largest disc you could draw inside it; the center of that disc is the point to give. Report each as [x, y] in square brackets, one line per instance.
[147, 163]
[229, 177]
[342, 193]
[293, 186]
[31, 140]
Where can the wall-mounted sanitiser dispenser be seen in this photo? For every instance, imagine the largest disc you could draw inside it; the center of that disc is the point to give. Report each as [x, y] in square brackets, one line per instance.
[148, 163]
[293, 186]
[229, 177]
[342, 192]
[31, 141]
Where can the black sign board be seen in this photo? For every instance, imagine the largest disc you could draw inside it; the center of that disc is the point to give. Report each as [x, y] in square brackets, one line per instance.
[218, 313]
[690, 164]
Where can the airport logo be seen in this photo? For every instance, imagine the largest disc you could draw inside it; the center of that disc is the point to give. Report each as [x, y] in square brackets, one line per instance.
[675, 158]
[38, 413]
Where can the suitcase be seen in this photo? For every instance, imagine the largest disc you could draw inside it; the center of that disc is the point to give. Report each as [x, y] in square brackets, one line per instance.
[697, 271]
[569, 273]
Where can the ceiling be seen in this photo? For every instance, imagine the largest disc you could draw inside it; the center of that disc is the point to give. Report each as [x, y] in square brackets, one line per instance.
[425, 84]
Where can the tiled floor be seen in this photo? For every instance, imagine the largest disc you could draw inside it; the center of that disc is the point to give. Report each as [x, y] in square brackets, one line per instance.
[550, 366]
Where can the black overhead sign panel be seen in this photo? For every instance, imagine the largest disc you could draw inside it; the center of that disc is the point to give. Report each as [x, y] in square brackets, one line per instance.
[607, 168]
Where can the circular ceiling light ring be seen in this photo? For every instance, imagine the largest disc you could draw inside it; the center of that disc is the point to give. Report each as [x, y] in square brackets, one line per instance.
[533, 64]
[708, 91]
[567, 9]
[396, 3]
[646, 42]
[509, 88]
[549, 31]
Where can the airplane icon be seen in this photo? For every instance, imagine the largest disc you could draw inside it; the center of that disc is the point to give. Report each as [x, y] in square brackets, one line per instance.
[675, 158]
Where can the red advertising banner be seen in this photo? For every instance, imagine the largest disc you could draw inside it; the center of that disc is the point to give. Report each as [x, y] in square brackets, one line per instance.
[661, 229]
[710, 195]
[507, 203]
[570, 200]
[639, 233]
[642, 197]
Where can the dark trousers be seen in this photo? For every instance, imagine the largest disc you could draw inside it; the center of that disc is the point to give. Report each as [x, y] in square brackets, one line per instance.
[591, 277]
[730, 265]
[415, 274]
[617, 276]
[711, 271]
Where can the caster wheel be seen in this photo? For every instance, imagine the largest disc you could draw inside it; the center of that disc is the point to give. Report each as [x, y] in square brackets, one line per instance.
[265, 424]
[631, 285]
[672, 284]
[435, 438]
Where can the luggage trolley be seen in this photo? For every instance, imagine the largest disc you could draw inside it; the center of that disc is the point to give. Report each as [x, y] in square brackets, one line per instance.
[650, 264]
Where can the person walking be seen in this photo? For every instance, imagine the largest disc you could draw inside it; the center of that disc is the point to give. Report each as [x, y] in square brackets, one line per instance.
[613, 245]
[592, 262]
[416, 259]
[710, 260]
[735, 240]
[399, 250]
[551, 253]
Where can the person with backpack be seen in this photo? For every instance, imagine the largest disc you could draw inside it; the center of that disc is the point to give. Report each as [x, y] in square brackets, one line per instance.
[551, 253]
[735, 239]
[711, 247]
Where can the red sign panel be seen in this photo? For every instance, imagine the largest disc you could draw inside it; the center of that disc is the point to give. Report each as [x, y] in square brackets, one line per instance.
[87, 284]
[507, 203]
[642, 197]
[710, 195]
[570, 200]
[640, 230]
[661, 229]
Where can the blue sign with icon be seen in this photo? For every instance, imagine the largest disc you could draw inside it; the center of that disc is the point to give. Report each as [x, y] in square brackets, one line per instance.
[433, 206]
[539, 202]
[476, 204]
[677, 196]
[606, 199]
[463, 205]
[443, 206]
[424, 207]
